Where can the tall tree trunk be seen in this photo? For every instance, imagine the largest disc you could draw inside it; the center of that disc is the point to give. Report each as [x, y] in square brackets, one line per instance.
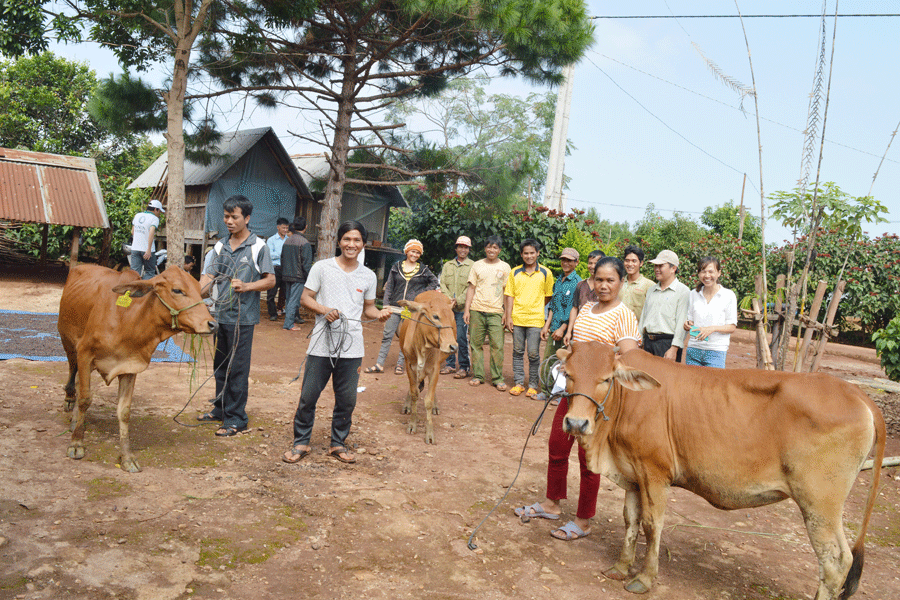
[175, 144]
[334, 189]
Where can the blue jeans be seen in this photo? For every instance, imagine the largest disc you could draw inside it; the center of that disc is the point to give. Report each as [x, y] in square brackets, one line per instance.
[344, 375]
[462, 342]
[530, 337]
[145, 268]
[390, 330]
[293, 291]
[706, 358]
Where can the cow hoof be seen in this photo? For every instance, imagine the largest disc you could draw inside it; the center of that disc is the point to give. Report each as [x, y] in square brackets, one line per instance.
[406, 409]
[614, 573]
[130, 465]
[76, 452]
[429, 438]
[435, 410]
[69, 406]
[636, 586]
[411, 428]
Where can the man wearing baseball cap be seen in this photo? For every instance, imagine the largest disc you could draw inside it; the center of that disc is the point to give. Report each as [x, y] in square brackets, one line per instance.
[454, 282]
[560, 305]
[143, 247]
[665, 309]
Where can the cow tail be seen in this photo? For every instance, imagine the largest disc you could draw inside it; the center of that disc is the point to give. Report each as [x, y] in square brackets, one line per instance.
[851, 583]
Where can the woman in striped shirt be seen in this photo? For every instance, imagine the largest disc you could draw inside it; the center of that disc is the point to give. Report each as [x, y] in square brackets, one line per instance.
[611, 322]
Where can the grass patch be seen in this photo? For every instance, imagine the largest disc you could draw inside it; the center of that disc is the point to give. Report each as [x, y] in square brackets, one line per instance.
[13, 582]
[106, 487]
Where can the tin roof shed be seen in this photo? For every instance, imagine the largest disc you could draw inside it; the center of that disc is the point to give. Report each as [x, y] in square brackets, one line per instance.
[50, 188]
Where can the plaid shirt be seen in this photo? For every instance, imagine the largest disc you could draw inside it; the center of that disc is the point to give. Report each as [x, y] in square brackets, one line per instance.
[561, 302]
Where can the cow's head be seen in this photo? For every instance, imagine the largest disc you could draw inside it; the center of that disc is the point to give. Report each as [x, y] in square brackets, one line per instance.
[592, 369]
[434, 313]
[179, 299]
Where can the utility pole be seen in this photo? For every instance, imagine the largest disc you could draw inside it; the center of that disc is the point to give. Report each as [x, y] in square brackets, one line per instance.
[553, 195]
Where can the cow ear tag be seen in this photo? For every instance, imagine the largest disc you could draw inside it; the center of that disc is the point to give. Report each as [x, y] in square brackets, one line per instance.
[405, 314]
[125, 299]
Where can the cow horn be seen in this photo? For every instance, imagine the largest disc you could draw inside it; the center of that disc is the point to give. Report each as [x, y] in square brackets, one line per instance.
[412, 306]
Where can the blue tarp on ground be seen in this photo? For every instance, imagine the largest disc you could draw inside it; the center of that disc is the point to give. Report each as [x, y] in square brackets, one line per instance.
[33, 336]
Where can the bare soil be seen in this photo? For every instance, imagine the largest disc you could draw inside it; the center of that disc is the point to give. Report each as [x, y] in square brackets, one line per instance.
[225, 518]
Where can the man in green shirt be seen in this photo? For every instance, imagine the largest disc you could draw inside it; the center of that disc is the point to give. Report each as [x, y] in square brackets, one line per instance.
[454, 283]
[634, 290]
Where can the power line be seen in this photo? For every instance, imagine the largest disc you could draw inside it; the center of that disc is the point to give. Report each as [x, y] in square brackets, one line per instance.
[644, 208]
[670, 128]
[696, 93]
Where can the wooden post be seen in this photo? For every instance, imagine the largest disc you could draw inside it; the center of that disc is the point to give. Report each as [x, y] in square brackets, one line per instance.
[741, 214]
[800, 356]
[45, 230]
[778, 324]
[829, 320]
[105, 247]
[763, 356]
[76, 243]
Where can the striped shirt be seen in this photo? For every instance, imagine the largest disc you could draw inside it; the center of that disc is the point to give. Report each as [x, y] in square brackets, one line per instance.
[609, 327]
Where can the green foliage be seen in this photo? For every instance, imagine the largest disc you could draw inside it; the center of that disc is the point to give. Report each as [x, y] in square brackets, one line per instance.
[678, 234]
[726, 219]
[840, 210]
[21, 28]
[887, 345]
[44, 101]
[455, 215]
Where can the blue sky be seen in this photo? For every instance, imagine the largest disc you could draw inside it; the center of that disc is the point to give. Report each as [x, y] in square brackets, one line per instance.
[650, 123]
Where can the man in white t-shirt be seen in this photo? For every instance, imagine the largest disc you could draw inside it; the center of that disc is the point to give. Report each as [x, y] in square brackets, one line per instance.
[340, 291]
[143, 232]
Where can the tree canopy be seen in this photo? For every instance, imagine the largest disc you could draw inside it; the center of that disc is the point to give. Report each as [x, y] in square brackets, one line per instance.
[350, 59]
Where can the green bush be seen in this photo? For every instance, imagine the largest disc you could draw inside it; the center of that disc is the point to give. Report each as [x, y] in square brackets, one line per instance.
[887, 344]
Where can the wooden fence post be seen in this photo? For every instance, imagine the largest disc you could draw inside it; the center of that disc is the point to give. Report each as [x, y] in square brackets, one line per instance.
[76, 244]
[826, 330]
[801, 349]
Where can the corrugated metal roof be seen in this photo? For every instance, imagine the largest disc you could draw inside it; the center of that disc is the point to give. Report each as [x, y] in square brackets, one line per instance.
[50, 188]
[232, 145]
[315, 167]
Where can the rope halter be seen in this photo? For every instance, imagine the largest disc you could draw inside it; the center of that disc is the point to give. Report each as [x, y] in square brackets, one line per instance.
[174, 312]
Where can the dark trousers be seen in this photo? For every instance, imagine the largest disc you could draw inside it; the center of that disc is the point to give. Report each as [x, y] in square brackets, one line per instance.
[462, 342]
[232, 382]
[660, 345]
[344, 375]
[270, 294]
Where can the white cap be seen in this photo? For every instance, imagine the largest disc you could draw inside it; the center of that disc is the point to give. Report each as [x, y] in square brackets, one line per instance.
[156, 204]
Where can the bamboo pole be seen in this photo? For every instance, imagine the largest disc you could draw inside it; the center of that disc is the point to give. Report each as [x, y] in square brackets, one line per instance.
[829, 320]
[813, 315]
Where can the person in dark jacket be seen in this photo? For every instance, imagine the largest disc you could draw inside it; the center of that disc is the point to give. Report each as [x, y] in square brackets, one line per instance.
[296, 261]
[406, 280]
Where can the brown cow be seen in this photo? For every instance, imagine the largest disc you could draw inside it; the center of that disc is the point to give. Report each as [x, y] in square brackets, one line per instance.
[112, 322]
[426, 339]
[738, 438]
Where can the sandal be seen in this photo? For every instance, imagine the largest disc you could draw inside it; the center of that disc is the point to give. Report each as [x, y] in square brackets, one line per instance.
[535, 511]
[516, 389]
[399, 370]
[227, 431]
[375, 369]
[208, 417]
[476, 382]
[461, 374]
[342, 454]
[570, 531]
[501, 387]
[293, 456]
[447, 370]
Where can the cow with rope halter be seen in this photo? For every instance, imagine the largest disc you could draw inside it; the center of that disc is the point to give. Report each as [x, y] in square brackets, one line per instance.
[427, 337]
[112, 322]
[739, 438]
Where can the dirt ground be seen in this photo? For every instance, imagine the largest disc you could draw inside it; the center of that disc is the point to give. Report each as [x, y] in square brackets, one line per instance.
[225, 518]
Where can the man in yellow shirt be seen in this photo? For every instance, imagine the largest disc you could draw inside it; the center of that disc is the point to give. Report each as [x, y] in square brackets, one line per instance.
[634, 289]
[528, 289]
[483, 312]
